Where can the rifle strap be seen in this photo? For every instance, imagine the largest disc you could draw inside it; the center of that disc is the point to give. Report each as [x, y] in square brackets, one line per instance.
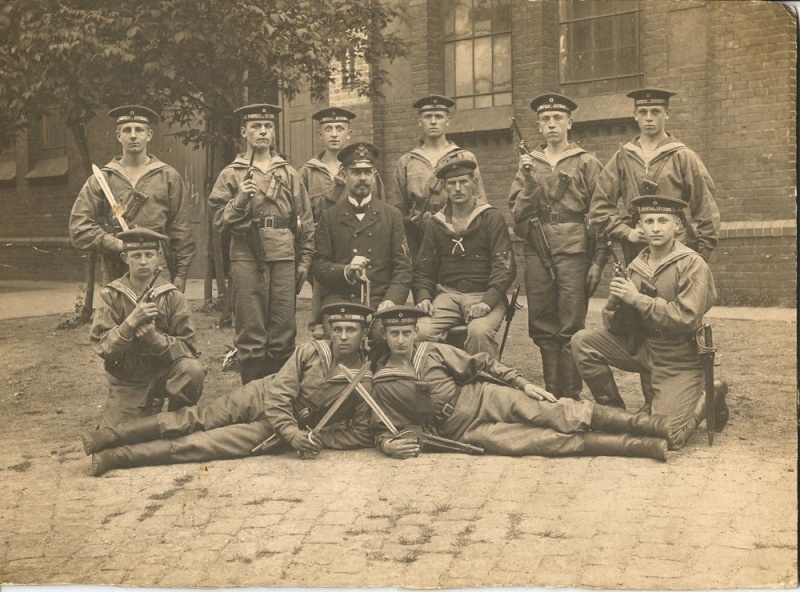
[561, 187]
[655, 176]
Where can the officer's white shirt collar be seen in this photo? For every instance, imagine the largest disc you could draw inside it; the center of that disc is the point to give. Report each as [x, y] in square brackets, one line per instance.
[364, 202]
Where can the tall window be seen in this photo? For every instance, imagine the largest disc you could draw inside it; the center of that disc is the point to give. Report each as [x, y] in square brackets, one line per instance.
[599, 46]
[53, 136]
[477, 52]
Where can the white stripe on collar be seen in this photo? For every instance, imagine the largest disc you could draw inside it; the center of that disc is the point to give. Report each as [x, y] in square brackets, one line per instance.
[569, 152]
[442, 219]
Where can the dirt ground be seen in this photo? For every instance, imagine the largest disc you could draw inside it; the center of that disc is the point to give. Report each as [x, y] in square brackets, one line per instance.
[64, 526]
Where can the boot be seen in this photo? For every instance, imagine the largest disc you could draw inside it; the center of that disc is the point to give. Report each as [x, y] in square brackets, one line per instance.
[550, 357]
[272, 365]
[153, 453]
[648, 392]
[604, 390]
[617, 421]
[720, 406]
[596, 444]
[251, 369]
[141, 429]
[571, 381]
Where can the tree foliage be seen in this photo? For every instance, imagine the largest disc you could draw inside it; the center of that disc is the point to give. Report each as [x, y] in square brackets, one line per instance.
[190, 58]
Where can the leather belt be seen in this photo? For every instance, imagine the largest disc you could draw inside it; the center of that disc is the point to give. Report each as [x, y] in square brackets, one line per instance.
[271, 222]
[447, 409]
[465, 286]
[562, 218]
[676, 336]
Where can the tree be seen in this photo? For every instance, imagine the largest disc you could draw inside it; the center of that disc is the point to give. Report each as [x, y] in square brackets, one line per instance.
[193, 59]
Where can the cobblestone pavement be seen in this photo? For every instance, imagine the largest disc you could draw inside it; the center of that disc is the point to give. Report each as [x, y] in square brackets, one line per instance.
[722, 516]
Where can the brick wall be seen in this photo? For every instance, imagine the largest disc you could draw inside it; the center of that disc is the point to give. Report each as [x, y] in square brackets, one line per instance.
[733, 65]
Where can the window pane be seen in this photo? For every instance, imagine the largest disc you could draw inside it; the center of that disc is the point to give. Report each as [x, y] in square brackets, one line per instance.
[502, 99]
[581, 66]
[501, 16]
[564, 10]
[463, 22]
[482, 17]
[464, 103]
[448, 19]
[483, 65]
[602, 7]
[604, 64]
[627, 5]
[604, 33]
[627, 61]
[628, 29]
[581, 9]
[581, 36]
[483, 102]
[449, 69]
[502, 63]
[464, 84]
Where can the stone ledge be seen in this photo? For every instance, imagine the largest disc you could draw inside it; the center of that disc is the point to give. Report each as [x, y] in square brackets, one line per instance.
[758, 228]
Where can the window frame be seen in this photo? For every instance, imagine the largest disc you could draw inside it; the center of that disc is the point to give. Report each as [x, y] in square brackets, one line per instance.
[592, 84]
[451, 39]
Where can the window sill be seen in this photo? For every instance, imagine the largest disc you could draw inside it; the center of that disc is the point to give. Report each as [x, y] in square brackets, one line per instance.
[603, 108]
[481, 120]
[49, 168]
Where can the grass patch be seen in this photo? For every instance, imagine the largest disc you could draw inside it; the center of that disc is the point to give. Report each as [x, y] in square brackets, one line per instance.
[108, 517]
[21, 467]
[179, 481]
[440, 509]
[164, 495]
[409, 557]
[424, 537]
[514, 531]
[262, 500]
[149, 511]
[550, 534]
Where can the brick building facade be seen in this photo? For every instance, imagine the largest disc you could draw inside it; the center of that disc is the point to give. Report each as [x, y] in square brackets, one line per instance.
[733, 65]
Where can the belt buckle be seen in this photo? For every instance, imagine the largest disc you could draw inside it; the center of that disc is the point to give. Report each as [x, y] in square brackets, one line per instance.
[555, 218]
[447, 410]
[657, 333]
[269, 221]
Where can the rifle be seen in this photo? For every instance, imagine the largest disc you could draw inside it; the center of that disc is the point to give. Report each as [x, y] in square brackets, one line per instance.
[522, 148]
[540, 245]
[147, 295]
[707, 352]
[513, 306]
[117, 210]
[252, 237]
[432, 441]
[303, 415]
[630, 250]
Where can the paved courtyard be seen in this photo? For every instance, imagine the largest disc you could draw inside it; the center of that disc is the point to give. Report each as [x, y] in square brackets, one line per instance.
[712, 517]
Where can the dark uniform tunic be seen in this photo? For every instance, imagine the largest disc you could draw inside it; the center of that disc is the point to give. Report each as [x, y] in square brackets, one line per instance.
[324, 190]
[416, 185]
[379, 237]
[232, 425]
[140, 372]
[501, 419]
[677, 170]
[684, 293]
[264, 303]
[476, 265]
[159, 202]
